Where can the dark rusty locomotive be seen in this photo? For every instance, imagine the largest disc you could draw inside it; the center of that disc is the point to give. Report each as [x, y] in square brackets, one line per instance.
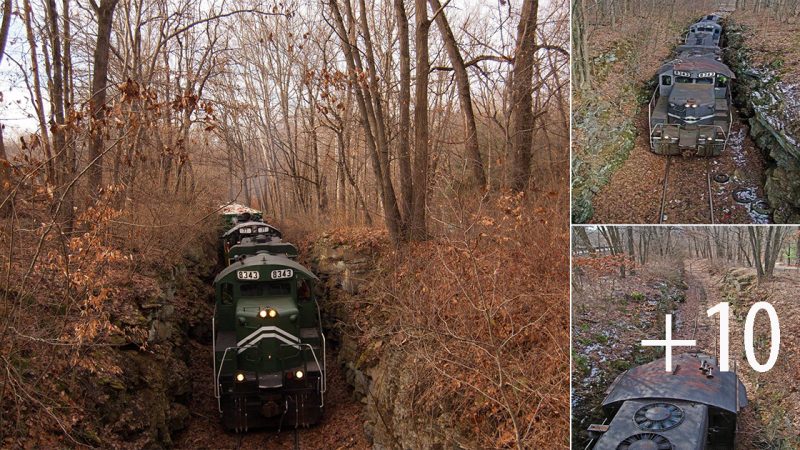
[693, 407]
[690, 109]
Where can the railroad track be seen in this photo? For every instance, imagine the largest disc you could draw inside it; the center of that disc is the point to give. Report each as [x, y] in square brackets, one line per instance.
[665, 188]
[296, 431]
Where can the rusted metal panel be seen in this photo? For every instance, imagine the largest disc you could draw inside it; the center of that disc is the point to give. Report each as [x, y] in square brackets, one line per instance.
[649, 424]
[687, 382]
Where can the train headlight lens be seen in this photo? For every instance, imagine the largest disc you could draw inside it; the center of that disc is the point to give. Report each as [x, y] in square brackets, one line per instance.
[299, 374]
[263, 229]
[269, 312]
[240, 377]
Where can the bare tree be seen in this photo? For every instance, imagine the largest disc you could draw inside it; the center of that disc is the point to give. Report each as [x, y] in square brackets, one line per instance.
[464, 95]
[105, 17]
[522, 117]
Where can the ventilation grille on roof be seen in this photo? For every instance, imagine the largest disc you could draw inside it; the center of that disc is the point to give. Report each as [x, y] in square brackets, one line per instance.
[645, 441]
[658, 417]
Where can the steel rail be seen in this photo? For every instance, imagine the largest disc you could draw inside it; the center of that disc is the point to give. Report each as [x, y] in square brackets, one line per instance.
[664, 191]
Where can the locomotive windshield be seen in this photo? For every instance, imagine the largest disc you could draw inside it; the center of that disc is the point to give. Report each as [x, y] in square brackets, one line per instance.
[688, 80]
[266, 289]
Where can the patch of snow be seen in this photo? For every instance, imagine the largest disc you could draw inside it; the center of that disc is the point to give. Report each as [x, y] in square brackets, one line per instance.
[736, 144]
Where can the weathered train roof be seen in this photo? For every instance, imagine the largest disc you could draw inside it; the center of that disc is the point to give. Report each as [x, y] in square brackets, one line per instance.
[248, 224]
[265, 259]
[687, 382]
[263, 241]
[699, 63]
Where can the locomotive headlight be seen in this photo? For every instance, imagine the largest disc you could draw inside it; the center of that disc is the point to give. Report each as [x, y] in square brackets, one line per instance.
[263, 229]
[299, 374]
[269, 312]
[239, 377]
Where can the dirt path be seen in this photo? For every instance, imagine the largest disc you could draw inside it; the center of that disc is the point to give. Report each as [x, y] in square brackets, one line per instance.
[341, 427]
[633, 195]
[773, 413]
[692, 321]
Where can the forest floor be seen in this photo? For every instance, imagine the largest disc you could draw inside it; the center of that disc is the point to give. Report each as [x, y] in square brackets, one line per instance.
[633, 309]
[633, 195]
[341, 426]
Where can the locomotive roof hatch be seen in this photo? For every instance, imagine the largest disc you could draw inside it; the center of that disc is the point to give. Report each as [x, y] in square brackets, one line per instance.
[253, 262]
[694, 378]
[649, 424]
[697, 64]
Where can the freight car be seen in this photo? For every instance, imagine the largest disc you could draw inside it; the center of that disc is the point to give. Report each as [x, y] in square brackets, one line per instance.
[690, 109]
[693, 407]
[268, 344]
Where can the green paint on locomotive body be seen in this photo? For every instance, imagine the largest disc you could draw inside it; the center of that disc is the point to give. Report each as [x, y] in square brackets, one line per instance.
[266, 345]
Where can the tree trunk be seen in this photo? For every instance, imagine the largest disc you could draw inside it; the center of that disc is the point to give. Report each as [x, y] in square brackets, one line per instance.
[417, 228]
[404, 100]
[631, 247]
[472, 146]
[4, 169]
[105, 15]
[755, 241]
[580, 54]
[522, 118]
[37, 92]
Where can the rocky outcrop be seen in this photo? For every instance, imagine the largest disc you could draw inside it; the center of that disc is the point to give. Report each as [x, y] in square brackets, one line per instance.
[145, 402]
[770, 107]
[381, 374]
[605, 135]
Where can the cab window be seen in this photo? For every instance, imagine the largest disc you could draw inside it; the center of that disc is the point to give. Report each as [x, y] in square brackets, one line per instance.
[683, 80]
[666, 80]
[265, 289]
[705, 81]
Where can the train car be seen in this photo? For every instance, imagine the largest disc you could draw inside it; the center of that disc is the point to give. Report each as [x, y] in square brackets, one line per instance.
[262, 243]
[269, 348]
[234, 213]
[691, 107]
[693, 407]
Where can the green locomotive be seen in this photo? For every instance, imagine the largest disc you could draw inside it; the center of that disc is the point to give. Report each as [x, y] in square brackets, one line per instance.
[268, 344]
[269, 349]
